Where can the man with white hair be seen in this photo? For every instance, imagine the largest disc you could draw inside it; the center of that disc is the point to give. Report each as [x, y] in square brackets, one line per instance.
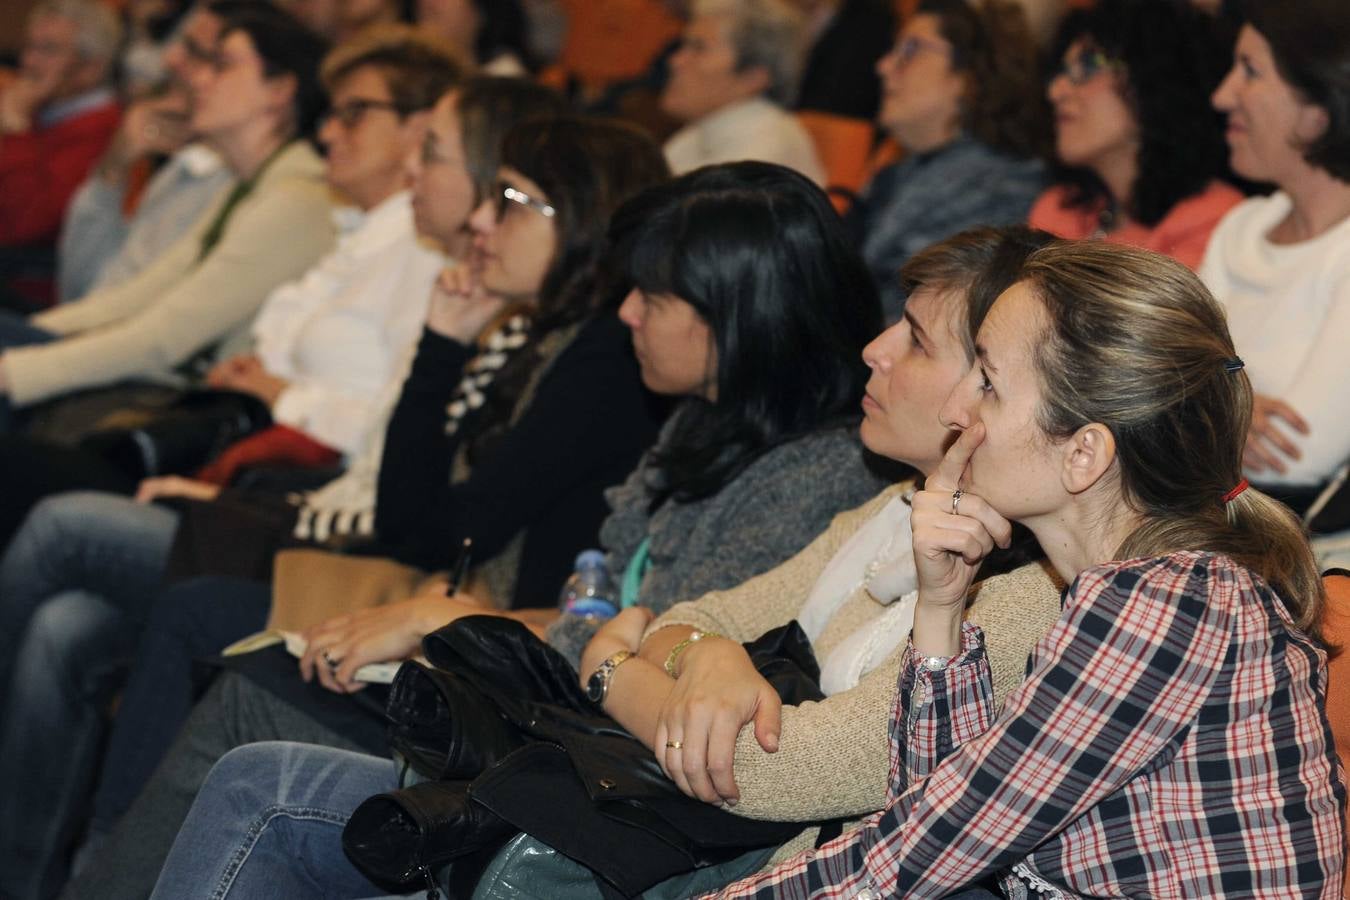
[736, 70]
[56, 117]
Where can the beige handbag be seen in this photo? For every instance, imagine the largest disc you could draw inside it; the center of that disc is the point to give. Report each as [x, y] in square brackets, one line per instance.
[310, 587]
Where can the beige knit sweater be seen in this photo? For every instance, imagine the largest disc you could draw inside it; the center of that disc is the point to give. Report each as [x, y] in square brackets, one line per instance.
[833, 755]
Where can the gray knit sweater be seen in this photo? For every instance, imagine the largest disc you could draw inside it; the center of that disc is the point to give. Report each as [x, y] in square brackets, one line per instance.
[772, 509]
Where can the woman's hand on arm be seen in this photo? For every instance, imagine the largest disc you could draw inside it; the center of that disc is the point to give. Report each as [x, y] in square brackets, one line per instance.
[717, 692]
[1268, 447]
[460, 307]
[949, 547]
[637, 688]
[340, 646]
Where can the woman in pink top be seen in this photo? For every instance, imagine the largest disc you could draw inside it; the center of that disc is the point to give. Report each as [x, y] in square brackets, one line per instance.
[1139, 146]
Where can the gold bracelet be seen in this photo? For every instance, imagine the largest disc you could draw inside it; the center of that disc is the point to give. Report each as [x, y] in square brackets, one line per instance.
[694, 637]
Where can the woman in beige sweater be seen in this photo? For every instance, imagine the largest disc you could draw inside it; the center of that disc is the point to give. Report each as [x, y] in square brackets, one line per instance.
[691, 693]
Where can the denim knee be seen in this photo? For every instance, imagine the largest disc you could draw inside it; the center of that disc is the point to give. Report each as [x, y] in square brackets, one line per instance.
[78, 640]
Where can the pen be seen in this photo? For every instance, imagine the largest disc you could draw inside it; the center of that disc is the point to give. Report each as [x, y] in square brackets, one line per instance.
[461, 568]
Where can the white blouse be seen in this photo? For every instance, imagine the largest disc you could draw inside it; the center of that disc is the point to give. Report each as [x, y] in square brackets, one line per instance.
[339, 334]
[1288, 311]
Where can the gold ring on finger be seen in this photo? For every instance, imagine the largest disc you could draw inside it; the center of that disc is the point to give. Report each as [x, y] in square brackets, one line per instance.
[674, 745]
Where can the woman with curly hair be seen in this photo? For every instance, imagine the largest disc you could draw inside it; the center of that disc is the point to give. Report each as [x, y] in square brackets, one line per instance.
[960, 93]
[1140, 148]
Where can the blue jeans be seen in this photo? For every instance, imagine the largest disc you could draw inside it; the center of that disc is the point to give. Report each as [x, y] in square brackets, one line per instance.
[268, 824]
[74, 585]
[195, 619]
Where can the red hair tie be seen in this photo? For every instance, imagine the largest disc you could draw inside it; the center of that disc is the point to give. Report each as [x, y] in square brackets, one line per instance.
[1238, 489]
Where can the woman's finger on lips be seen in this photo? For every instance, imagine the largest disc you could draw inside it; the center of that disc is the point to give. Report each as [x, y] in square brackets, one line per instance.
[953, 466]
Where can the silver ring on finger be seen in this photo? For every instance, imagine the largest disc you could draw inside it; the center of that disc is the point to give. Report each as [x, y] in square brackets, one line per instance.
[328, 658]
[956, 501]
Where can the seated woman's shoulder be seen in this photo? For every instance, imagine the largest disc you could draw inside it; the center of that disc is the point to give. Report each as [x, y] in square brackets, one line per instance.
[829, 463]
[1206, 207]
[1193, 573]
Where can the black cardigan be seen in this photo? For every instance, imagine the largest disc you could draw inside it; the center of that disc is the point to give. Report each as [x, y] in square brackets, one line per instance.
[589, 421]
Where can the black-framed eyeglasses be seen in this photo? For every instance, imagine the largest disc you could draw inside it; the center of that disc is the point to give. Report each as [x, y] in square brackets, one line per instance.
[350, 114]
[506, 195]
[1082, 66]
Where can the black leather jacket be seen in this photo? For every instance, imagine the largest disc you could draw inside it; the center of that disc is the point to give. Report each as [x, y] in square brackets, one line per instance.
[512, 744]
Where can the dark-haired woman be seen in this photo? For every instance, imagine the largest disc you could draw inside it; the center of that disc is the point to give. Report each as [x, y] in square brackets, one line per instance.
[1169, 738]
[961, 95]
[1280, 264]
[784, 463]
[1140, 147]
[759, 455]
[851, 589]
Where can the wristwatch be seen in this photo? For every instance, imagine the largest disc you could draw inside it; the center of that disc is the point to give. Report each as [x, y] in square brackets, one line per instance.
[597, 686]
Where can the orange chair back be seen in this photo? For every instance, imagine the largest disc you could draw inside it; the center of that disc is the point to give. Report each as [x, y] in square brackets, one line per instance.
[844, 146]
[612, 40]
[1336, 629]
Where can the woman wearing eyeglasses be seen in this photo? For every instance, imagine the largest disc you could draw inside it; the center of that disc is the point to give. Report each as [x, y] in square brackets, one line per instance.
[961, 96]
[80, 583]
[1140, 150]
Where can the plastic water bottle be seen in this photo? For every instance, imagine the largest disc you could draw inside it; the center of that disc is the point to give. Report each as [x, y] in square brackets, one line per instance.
[590, 591]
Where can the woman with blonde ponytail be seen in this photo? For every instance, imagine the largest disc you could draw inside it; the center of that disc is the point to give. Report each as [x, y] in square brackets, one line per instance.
[1169, 739]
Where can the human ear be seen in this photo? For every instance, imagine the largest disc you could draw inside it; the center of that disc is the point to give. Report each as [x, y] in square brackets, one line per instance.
[283, 89]
[1312, 123]
[415, 126]
[755, 80]
[1088, 455]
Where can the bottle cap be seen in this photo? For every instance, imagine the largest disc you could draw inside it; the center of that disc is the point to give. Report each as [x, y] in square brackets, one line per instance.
[589, 558]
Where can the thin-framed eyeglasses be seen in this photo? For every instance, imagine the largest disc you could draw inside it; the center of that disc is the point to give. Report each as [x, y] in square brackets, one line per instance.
[910, 46]
[350, 114]
[1082, 66]
[507, 194]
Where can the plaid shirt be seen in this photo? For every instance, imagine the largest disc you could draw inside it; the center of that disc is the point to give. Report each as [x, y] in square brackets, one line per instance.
[1169, 741]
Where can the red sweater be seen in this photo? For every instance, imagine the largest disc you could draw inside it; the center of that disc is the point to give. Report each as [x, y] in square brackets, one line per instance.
[1182, 234]
[41, 168]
